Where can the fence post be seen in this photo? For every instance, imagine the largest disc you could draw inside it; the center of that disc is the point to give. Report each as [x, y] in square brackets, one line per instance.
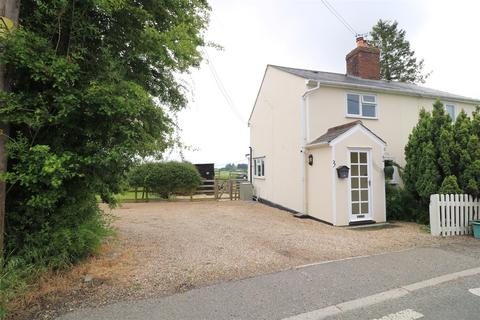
[434, 215]
[215, 189]
[231, 189]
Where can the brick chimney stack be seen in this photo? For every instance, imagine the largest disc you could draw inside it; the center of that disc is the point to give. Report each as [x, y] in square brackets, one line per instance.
[364, 61]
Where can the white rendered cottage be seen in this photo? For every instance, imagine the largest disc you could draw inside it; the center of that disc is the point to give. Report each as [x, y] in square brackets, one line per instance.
[308, 127]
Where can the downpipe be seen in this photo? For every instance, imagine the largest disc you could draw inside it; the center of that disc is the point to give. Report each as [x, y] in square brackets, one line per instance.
[304, 136]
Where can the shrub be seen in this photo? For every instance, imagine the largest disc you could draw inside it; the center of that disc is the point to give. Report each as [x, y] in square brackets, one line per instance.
[401, 205]
[74, 231]
[442, 156]
[166, 178]
[14, 276]
[450, 186]
[137, 176]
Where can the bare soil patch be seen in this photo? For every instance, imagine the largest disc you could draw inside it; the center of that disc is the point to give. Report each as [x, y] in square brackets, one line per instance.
[169, 247]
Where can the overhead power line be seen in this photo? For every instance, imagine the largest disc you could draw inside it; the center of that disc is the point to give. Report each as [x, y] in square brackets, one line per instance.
[339, 17]
[222, 88]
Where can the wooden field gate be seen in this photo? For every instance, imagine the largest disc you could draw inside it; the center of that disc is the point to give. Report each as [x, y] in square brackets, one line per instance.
[219, 189]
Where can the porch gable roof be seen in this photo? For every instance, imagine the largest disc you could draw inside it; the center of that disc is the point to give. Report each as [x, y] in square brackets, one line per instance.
[337, 131]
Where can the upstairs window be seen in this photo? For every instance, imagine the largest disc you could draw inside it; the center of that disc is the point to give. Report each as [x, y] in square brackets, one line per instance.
[361, 105]
[259, 167]
[450, 109]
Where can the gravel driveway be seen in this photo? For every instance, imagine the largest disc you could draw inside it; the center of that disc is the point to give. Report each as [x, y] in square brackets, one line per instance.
[169, 247]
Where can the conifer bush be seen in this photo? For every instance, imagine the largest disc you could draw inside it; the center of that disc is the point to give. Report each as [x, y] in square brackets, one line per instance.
[450, 186]
[442, 156]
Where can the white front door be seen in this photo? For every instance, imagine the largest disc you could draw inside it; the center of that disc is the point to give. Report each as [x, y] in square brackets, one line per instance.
[360, 185]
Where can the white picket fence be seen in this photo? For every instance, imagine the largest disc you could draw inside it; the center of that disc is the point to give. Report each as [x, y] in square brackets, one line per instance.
[450, 214]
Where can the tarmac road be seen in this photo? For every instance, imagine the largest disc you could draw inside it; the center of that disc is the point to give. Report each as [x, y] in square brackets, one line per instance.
[422, 283]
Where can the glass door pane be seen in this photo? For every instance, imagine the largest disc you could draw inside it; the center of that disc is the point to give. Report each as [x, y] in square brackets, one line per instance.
[359, 177]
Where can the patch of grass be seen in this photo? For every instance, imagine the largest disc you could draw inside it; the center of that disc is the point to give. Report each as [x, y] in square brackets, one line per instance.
[51, 250]
[45, 288]
[425, 228]
[130, 196]
[15, 275]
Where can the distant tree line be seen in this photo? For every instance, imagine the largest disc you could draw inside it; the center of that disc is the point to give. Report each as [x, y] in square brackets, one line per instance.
[233, 166]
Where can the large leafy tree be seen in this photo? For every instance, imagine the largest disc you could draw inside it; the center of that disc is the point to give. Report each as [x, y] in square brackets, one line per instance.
[397, 59]
[93, 86]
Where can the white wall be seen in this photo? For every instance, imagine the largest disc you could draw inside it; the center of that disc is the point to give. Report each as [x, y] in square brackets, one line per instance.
[319, 184]
[397, 115]
[275, 133]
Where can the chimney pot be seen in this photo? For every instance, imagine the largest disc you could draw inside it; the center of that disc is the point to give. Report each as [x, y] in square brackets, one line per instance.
[361, 42]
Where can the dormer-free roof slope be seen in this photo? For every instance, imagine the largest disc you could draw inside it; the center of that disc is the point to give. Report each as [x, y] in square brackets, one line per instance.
[348, 81]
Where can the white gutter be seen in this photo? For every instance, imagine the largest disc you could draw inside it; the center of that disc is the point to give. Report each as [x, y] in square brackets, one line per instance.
[304, 134]
[315, 145]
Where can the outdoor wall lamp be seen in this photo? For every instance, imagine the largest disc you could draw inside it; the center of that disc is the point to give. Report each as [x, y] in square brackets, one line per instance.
[310, 159]
[342, 172]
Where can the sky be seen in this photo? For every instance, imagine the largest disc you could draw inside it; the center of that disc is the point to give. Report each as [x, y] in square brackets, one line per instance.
[304, 34]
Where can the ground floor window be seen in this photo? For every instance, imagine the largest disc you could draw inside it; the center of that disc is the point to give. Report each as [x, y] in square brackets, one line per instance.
[259, 167]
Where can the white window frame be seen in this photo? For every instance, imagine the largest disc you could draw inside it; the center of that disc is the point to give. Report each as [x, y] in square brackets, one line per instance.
[454, 109]
[259, 162]
[361, 102]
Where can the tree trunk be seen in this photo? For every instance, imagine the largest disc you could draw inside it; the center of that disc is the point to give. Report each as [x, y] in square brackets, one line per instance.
[9, 9]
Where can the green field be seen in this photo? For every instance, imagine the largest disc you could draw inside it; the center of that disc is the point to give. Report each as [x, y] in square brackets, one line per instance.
[130, 196]
[225, 175]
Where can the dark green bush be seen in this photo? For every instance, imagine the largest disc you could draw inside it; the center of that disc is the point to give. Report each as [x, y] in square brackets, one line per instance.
[401, 204]
[450, 186]
[171, 178]
[166, 178]
[442, 156]
[53, 218]
[137, 176]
